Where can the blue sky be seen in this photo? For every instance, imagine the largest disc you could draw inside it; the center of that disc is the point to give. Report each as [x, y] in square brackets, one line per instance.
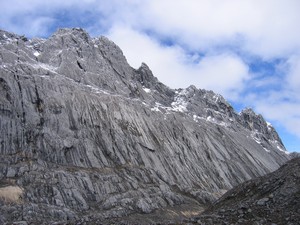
[248, 51]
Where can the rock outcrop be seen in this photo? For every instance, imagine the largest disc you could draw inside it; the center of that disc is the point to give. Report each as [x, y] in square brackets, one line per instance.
[84, 136]
[271, 199]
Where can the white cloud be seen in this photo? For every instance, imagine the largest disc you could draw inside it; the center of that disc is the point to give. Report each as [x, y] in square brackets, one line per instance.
[284, 112]
[293, 73]
[34, 26]
[267, 28]
[224, 73]
[36, 18]
[280, 101]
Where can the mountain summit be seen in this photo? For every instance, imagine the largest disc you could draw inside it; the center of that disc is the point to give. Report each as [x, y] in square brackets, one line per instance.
[85, 137]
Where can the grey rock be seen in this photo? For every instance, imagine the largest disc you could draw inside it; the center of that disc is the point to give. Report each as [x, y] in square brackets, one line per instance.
[83, 132]
[294, 154]
[262, 201]
[240, 211]
[283, 185]
[143, 205]
[20, 223]
[11, 172]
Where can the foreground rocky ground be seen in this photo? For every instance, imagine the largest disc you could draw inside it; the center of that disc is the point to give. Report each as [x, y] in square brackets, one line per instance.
[271, 199]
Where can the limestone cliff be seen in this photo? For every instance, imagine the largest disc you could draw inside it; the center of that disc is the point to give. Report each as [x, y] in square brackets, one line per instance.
[84, 135]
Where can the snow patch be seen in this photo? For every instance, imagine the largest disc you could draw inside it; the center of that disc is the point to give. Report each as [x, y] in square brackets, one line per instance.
[269, 126]
[179, 106]
[96, 89]
[277, 145]
[195, 118]
[211, 120]
[155, 108]
[180, 103]
[158, 107]
[36, 54]
[274, 143]
[43, 66]
[7, 39]
[282, 150]
[147, 90]
[256, 139]
[216, 97]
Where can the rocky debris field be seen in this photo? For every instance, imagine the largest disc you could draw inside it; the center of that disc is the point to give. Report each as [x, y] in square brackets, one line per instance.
[271, 199]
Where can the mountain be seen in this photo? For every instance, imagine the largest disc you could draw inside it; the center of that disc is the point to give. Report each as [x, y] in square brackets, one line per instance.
[85, 137]
[271, 199]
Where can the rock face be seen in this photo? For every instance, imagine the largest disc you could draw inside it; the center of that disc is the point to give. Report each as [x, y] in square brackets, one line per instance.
[271, 199]
[86, 136]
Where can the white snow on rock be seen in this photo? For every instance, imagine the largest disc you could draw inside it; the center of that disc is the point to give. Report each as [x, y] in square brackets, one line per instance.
[195, 118]
[36, 54]
[274, 142]
[156, 107]
[269, 125]
[216, 97]
[179, 106]
[96, 89]
[211, 120]
[255, 138]
[180, 103]
[147, 90]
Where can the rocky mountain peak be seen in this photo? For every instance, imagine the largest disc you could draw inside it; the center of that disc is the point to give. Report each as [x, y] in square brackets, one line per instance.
[144, 66]
[253, 121]
[75, 34]
[7, 37]
[146, 77]
[260, 127]
[84, 133]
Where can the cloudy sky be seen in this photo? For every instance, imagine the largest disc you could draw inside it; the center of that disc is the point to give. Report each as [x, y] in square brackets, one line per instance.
[248, 51]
